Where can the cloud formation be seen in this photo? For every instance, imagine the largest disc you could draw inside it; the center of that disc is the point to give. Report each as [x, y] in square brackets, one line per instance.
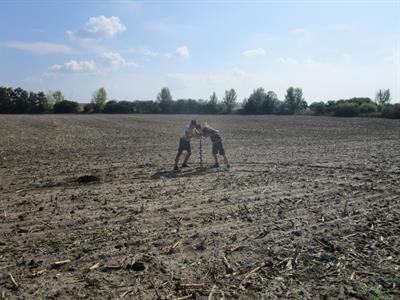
[97, 28]
[182, 51]
[74, 66]
[115, 60]
[254, 52]
[39, 47]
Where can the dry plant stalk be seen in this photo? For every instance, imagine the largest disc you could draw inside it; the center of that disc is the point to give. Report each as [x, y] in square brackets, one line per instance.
[61, 262]
[210, 296]
[94, 267]
[14, 282]
[255, 270]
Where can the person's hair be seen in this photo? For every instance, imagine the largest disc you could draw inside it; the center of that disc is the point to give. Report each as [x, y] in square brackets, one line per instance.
[193, 122]
[198, 126]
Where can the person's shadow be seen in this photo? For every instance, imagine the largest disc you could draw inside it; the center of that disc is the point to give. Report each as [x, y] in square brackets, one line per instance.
[185, 172]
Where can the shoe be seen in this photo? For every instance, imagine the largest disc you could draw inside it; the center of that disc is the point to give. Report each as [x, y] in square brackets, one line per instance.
[185, 166]
[216, 166]
[176, 168]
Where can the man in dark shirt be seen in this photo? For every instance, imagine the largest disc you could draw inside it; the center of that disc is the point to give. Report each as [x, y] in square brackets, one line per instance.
[217, 142]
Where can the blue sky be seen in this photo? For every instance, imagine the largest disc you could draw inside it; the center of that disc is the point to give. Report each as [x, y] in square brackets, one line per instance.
[330, 49]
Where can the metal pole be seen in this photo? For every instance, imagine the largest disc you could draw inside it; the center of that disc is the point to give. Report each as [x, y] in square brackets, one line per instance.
[201, 152]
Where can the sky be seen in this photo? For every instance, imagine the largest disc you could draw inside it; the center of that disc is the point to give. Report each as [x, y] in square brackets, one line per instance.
[330, 49]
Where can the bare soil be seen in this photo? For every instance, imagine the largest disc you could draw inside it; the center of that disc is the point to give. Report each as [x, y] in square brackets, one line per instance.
[89, 208]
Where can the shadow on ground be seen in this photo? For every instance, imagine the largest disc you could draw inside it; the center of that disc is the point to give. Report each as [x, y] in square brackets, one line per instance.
[185, 173]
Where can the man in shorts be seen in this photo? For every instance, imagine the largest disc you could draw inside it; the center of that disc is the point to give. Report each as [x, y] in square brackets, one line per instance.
[217, 142]
[184, 145]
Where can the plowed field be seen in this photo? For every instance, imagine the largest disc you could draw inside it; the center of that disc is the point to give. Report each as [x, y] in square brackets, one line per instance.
[89, 208]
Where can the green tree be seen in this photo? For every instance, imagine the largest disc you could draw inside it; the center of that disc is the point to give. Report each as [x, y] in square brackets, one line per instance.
[254, 104]
[294, 100]
[383, 97]
[318, 108]
[270, 102]
[6, 103]
[66, 106]
[99, 99]
[58, 96]
[165, 101]
[212, 104]
[230, 100]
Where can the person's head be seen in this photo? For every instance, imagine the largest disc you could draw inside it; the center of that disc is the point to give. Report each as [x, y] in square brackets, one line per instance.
[193, 124]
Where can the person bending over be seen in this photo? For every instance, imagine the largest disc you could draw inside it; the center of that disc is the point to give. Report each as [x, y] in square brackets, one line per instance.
[184, 145]
[217, 142]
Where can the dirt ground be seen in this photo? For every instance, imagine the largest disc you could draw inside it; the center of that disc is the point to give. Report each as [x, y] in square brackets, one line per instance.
[89, 208]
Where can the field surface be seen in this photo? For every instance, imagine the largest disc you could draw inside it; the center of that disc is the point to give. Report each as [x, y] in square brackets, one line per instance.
[89, 208]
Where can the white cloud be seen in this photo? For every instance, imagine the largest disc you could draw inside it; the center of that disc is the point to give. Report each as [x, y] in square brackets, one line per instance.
[74, 66]
[115, 60]
[97, 28]
[182, 51]
[254, 52]
[39, 47]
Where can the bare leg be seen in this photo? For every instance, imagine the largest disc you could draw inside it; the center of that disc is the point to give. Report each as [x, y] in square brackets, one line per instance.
[215, 158]
[226, 160]
[186, 158]
[178, 155]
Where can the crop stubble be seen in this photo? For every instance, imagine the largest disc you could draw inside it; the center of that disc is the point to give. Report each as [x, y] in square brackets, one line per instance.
[309, 209]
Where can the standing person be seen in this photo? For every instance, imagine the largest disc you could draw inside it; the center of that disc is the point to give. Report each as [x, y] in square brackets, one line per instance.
[217, 142]
[184, 145]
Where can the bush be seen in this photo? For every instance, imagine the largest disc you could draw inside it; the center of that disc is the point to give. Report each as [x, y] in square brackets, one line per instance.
[368, 108]
[347, 109]
[65, 106]
[121, 107]
[318, 108]
[391, 111]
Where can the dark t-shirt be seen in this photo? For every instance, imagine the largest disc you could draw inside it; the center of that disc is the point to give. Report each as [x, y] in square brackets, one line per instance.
[212, 133]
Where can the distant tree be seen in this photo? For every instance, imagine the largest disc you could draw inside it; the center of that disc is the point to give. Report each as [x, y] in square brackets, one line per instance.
[391, 111]
[118, 107]
[366, 108]
[254, 104]
[58, 96]
[21, 101]
[294, 100]
[99, 99]
[270, 102]
[66, 106]
[6, 103]
[230, 100]
[347, 109]
[212, 104]
[42, 104]
[382, 97]
[318, 108]
[165, 101]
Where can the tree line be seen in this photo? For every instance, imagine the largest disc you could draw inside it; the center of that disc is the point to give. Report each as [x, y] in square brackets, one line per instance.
[19, 101]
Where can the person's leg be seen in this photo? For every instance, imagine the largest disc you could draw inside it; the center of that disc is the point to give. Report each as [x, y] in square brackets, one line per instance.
[221, 151]
[215, 152]
[225, 159]
[188, 153]
[178, 155]
[216, 160]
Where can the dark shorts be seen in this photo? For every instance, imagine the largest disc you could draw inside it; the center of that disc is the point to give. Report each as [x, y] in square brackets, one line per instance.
[184, 145]
[218, 147]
